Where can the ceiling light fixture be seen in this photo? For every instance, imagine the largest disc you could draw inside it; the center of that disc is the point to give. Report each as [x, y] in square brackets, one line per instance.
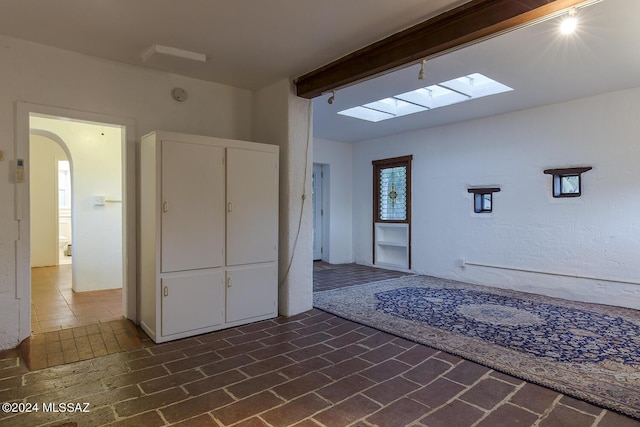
[421, 73]
[172, 51]
[332, 97]
[570, 22]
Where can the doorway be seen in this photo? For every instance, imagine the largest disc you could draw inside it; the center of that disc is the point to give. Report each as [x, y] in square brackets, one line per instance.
[317, 179]
[64, 193]
[96, 200]
[75, 183]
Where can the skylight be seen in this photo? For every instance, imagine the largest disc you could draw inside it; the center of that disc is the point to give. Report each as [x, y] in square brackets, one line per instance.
[442, 94]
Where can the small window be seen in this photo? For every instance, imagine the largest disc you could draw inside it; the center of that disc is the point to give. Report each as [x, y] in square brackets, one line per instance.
[392, 189]
[393, 194]
[483, 199]
[64, 184]
[483, 202]
[567, 182]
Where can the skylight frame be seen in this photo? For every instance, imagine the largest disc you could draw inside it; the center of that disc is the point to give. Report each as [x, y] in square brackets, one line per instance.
[454, 91]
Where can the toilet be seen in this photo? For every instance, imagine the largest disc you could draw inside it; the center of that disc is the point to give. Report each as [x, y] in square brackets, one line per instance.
[63, 241]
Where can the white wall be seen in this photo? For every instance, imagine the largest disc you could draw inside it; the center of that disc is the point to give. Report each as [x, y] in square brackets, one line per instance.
[49, 76]
[337, 156]
[596, 235]
[45, 154]
[96, 169]
[282, 119]
[38, 74]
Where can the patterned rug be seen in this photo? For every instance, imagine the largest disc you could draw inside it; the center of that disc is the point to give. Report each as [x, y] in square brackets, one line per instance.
[588, 351]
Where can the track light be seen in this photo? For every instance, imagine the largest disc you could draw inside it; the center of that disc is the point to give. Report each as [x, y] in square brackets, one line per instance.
[421, 73]
[570, 22]
[332, 97]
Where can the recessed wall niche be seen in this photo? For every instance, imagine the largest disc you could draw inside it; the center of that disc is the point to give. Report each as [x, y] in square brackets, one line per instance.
[483, 198]
[567, 182]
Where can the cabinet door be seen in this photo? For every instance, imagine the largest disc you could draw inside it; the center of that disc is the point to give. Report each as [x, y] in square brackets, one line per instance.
[252, 206]
[192, 301]
[251, 292]
[192, 206]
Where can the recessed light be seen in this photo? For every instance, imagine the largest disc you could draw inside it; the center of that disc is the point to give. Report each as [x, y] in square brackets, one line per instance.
[570, 22]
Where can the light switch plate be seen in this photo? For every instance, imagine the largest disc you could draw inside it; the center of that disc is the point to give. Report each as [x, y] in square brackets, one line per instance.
[98, 200]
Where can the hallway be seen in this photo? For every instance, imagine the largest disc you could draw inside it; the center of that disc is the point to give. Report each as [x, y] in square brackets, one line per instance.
[54, 305]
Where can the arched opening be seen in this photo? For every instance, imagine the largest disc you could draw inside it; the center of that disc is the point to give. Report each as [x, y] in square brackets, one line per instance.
[88, 291]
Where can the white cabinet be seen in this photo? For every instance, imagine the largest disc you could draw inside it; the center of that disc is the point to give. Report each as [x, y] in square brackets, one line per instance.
[252, 203]
[244, 299]
[192, 220]
[191, 301]
[208, 234]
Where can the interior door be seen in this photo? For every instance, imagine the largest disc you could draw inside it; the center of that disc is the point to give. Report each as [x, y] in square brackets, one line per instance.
[318, 211]
[252, 206]
[192, 206]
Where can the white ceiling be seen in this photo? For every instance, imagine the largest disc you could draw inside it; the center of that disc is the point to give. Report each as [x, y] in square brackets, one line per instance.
[253, 43]
[248, 43]
[542, 66]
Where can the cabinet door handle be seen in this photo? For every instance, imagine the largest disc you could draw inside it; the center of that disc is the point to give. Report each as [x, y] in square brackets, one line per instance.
[165, 207]
[166, 291]
[228, 282]
[229, 207]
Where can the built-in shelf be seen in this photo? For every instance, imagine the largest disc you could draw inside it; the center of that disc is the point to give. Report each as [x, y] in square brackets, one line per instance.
[392, 245]
[567, 171]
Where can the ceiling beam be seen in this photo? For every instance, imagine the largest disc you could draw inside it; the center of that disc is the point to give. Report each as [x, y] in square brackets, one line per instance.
[466, 24]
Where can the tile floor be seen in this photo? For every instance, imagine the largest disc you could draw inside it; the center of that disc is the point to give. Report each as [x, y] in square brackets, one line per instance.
[54, 348]
[54, 305]
[67, 326]
[313, 369]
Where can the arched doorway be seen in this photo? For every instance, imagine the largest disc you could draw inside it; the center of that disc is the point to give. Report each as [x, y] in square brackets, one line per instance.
[90, 290]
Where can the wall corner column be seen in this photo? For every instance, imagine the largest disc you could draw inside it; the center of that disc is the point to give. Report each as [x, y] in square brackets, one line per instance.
[281, 118]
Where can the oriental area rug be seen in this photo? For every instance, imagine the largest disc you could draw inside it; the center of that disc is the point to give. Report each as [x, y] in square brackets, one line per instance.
[588, 351]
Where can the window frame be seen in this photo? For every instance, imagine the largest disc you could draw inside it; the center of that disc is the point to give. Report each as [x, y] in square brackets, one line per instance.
[478, 194]
[378, 165]
[66, 185]
[559, 174]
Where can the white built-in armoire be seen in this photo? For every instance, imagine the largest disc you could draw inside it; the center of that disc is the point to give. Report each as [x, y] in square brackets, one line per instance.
[209, 234]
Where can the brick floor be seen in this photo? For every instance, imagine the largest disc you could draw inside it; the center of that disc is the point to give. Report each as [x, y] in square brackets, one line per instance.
[298, 371]
[53, 348]
[70, 326]
[331, 276]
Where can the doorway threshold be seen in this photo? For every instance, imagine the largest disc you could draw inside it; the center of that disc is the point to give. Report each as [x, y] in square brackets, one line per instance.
[46, 349]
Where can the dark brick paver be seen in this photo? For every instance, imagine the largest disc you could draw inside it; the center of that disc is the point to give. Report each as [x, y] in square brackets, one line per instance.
[310, 370]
